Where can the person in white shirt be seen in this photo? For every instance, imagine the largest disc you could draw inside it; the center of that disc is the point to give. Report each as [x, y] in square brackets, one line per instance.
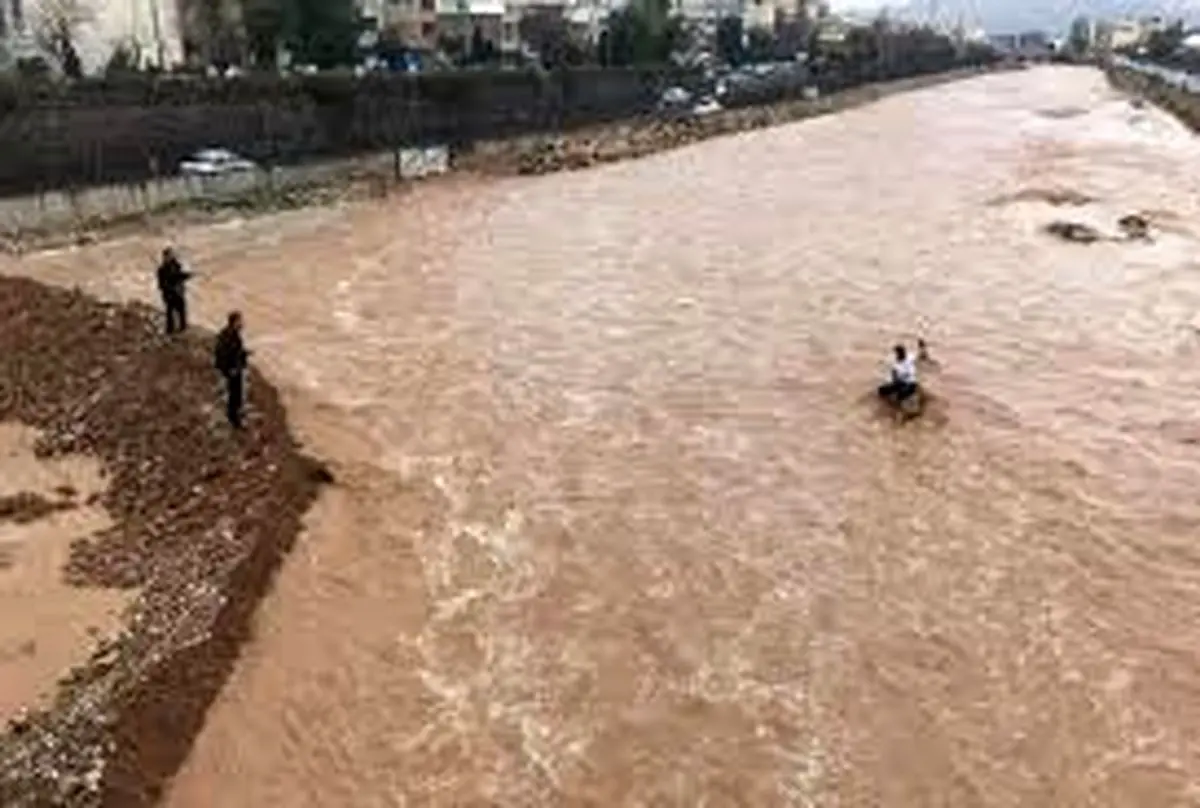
[902, 381]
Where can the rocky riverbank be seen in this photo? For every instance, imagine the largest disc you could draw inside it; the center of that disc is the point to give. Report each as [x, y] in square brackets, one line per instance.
[1174, 99]
[632, 139]
[538, 154]
[201, 521]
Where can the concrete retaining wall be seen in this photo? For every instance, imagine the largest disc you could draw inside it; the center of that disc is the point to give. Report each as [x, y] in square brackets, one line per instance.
[57, 209]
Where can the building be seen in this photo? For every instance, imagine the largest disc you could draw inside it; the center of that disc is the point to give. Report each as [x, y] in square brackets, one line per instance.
[424, 23]
[147, 30]
[16, 35]
[587, 18]
[413, 22]
[1120, 34]
[460, 19]
[776, 15]
[1028, 44]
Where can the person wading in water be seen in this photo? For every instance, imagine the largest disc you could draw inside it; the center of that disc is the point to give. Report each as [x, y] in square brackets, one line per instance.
[230, 357]
[902, 383]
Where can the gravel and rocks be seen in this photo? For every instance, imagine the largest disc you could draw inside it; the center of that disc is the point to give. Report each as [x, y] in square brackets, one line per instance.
[1131, 227]
[201, 519]
[1076, 232]
[568, 151]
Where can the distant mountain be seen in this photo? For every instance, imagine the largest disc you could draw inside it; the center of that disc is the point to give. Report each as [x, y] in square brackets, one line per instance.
[1054, 16]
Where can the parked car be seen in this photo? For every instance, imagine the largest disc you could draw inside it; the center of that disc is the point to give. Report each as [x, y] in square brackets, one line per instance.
[706, 106]
[212, 162]
[674, 98]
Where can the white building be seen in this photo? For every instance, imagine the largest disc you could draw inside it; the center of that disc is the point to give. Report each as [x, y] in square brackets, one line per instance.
[148, 29]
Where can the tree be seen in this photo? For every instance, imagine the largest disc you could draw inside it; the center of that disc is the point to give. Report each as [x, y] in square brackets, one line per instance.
[731, 32]
[268, 24]
[1162, 45]
[478, 44]
[792, 36]
[642, 33]
[760, 45]
[57, 29]
[325, 32]
[127, 58]
[454, 46]
[545, 30]
[215, 39]
[1080, 38]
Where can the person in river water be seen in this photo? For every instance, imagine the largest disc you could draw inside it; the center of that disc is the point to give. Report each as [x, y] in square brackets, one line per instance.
[902, 382]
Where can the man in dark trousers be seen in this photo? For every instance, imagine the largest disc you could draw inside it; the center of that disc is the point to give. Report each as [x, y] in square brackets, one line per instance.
[230, 359]
[172, 283]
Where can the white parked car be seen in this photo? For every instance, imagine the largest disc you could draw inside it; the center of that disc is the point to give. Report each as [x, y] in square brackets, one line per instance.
[706, 106]
[674, 98]
[213, 162]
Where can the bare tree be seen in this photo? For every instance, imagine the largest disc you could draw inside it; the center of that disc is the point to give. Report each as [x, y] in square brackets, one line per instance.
[56, 30]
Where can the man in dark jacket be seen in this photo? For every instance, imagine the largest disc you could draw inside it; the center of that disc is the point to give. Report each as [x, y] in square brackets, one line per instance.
[172, 283]
[230, 358]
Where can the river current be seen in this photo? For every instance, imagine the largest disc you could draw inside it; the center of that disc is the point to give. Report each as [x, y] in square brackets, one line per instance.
[617, 522]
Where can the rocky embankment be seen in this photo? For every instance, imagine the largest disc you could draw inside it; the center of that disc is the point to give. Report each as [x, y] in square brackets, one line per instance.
[1175, 99]
[605, 144]
[201, 519]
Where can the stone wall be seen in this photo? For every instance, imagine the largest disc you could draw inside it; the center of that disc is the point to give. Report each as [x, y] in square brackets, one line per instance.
[56, 210]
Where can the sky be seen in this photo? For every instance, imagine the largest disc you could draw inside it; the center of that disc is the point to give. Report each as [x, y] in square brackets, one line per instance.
[1013, 16]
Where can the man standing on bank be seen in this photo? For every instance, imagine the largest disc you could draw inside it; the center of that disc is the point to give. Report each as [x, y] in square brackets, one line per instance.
[172, 285]
[230, 358]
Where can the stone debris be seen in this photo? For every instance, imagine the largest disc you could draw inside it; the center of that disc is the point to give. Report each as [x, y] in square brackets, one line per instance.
[201, 518]
[1074, 231]
[614, 143]
[1058, 197]
[1135, 226]
[630, 139]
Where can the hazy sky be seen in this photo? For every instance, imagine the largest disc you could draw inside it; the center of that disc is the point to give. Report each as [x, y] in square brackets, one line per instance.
[1012, 16]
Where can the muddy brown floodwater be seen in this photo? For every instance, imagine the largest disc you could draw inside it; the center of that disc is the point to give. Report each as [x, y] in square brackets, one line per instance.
[616, 525]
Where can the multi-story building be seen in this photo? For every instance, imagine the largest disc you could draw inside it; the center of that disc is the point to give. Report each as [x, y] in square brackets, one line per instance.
[772, 15]
[1126, 33]
[414, 22]
[149, 30]
[588, 18]
[460, 19]
[16, 36]
[422, 23]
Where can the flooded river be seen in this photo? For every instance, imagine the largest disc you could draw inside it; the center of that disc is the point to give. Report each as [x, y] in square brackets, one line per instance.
[616, 526]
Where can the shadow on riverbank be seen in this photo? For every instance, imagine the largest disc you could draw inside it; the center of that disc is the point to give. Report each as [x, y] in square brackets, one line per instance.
[200, 521]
